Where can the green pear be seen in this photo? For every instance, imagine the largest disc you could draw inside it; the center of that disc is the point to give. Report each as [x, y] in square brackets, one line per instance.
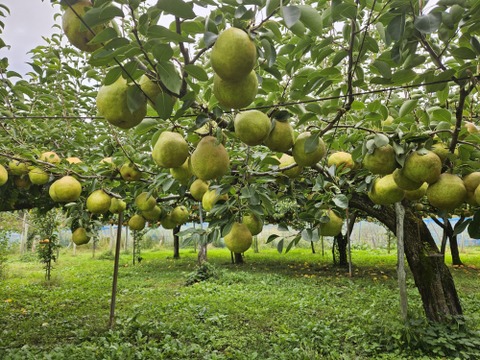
[211, 197]
[422, 167]
[38, 176]
[3, 175]
[17, 167]
[65, 189]
[145, 201]
[341, 159]
[80, 236]
[239, 238]
[235, 94]
[50, 157]
[210, 159]
[154, 214]
[137, 222]
[117, 205]
[180, 214]
[130, 172]
[98, 202]
[385, 191]
[198, 189]
[447, 193]
[281, 137]
[170, 150]
[253, 222]
[182, 173]
[307, 158]
[333, 226]
[252, 127]
[287, 160]
[381, 161]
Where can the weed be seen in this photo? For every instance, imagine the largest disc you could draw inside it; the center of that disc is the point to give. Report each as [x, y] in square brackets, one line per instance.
[202, 272]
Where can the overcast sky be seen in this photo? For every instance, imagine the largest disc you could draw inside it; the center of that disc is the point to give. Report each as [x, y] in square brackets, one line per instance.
[28, 21]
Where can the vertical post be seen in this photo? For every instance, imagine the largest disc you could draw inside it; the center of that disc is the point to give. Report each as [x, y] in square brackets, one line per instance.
[115, 271]
[202, 253]
[350, 271]
[23, 241]
[402, 284]
[134, 249]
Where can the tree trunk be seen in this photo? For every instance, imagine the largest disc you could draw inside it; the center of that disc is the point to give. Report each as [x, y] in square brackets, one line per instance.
[432, 277]
[341, 243]
[176, 242]
[238, 258]
[453, 245]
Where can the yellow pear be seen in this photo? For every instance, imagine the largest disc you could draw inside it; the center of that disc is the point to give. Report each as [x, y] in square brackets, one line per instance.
[235, 94]
[98, 202]
[381, 161]
[50, 157]
[136, 222]
[404, 182]
[385, 191]
[198, 189]
[287, 160]
[253, 222]
[117, 205]
[310, 158]
[130, 172]
[422, 167]
[145, 201]
[3, 175]
[170, 150]
[80, 236]
[17, 167]
[112, 103]
[182, 173]
[447, 193]
[73, 160]
[234, 54]
[38, 176]
[333, 226]
[211, 197]
[73, 27]
[252, 127]
[341, 159]
[471, 181]
[65, 189]
[153, 214]
[239, 238]
[180, 214]
[281, 136]
[414, 195]
[210, 159]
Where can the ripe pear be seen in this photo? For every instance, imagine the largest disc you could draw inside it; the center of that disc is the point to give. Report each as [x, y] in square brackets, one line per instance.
[80, 236]
[341, 159]
[50, 157]
[180, 214]
[198, 189]
[117, 205]
[73, 160]
[149, 87]
[76, 32]
[442, 150]
[130, 172]
[334, 225]
[252, 127]
[235, 94]
[183, 173]
[17, 167]
[281, 137]
[170, 150]
[136, 222]
[233, 55]
[144, 201]
[112, 103]
[239, 238]
[38, 176]
[471, 181]
[153, 214]
[385, 191]
[168, 223]
[211, 197]
[210, 159]
[422, 167]
[414, 195]
[381, 161]
[447, 193]
[476, 195]
[404, 182]
[287, 160]
[3, 175]
[98, 202]
[300, 154]
[253, 222]
[65, 189]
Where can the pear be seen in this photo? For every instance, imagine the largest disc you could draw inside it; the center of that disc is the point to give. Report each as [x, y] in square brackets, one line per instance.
[136, 222]
[442, 150]
[180, 215]
[153, 214]
[287, 160]
[80, 236]
[17, 167]
[170, 150]
[381, 161]
[73, 160]
[404, 182]
[341, 159]
[210, 159]
[281, 136]
[149, 88]
[235, 94]
[117, 205]
[253, 222]
[239, 238]
[38, 176]
[198, 189]
[98, 202]
[3, 175]
[414, 195]
[234, 54]
[113, 104]
[65, 189]
[471, 181]
[130, 172]
[252, 127]
[50, 157]
[182, 173]
[211, 197]
[144, 201]
[385, 191]
[300, 154]
[168, 222]
[333, 226]
[422, 167]
[447, 193]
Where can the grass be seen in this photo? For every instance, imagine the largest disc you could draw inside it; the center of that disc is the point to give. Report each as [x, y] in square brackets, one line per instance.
[294, 306]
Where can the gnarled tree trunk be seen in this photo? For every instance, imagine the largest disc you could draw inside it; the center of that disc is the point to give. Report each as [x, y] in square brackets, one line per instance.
[432, 277]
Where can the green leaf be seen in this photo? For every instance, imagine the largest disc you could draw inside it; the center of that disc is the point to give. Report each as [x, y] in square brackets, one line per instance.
[381, 140]
[311, 18]
[404, 76]
[196, 71]
[475, 44]
[104, 36]
[161, 32]
[112, 75]
[162, 52]
[280, 246]
[463, 53]
[169, 76]
[177, 8]
[135, 98]
[341, 201]
[396, 28]
[383, 68]
[461, 226]
[440, 115]
[101, 15]
[209, 38]
[164, 105]
[429, 23]
[407, 107]
[272, 238]
[311, 143]
[474, 226]
[291, 15]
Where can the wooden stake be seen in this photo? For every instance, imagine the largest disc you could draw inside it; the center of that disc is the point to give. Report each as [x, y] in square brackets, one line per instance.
[115, 271]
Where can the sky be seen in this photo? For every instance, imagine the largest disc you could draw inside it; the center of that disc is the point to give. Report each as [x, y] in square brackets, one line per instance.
[28, 21]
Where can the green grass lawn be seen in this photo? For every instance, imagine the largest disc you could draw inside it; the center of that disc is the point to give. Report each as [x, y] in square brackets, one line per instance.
[290, 306]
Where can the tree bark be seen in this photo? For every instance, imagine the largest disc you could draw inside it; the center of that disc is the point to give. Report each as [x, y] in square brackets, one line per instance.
[432, 277]
[238, 258]
[176, 242]
[341, 242]
[452, 239]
